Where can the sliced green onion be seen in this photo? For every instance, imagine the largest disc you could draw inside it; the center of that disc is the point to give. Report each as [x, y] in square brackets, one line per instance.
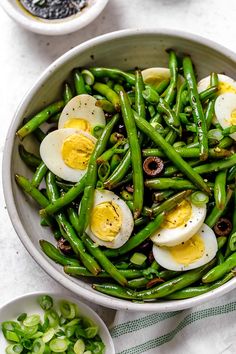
[58, 345]
[22, 317]
[46, 302]
[138, 258]
[11, 336]
[91, 332]
[88, 352]
[79, 347]
[29, 332]
[52, 317]
[88, 77]
[47, 336]
[68, 310]
[215, 134]
[97, 131]
[199, 198]
[38, 347]
[14, 349]
[31, 321]
[232, 242]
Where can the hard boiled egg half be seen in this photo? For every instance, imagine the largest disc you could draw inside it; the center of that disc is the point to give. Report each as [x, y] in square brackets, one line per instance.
[111, 221]
[226, 84]
[225, 111]
[153, 76]
[197, 251]
[66, 152]
[180, 224]
[82, 113]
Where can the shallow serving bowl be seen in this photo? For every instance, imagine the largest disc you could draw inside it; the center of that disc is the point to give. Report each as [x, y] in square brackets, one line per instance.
[28, 304]
[53, 27]
[124, 49]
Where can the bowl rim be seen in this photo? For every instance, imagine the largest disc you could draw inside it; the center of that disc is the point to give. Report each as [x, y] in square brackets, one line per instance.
[64, 296]
[101, 299]
[59, 28]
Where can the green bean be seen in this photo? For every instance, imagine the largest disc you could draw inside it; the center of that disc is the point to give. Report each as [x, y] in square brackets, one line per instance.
[169, 116]
[137, 239]
[136, 159]
[187, 152]
[107, 265]
[171, 202]
[29, 159]
[54, 254]
[172, 183]
[120, 172]
[138, 283]
[139, 99]
[221, 241]
[113, 74]
[159, 291]
[39, 134]
[232, 174]
[107, 155]
[232, 237]
[216, 213]
[198, 290]
[179, 102]
[40, 118]
[88, 77]
[232, 242]
[173, 66]
[220, 270]
[171, 137]
[77, 270]
[158, 197]
[208, 93]
[55, 118]
[151, 96]
[106, 106]
[225, 143]
[162, 86]
[66, 199]
[27, 187]
[39, 174]
[67, 93]
[216, 166]
[117, 88]
[126, 195]
[68, 231]
[110, 95]
[169, 274]
[220, 189]
[145, 212]
[195, 102]
[172, 154]
[209, 114]
[219, 257]
[115, 161]
[90, 184]
[79, 83]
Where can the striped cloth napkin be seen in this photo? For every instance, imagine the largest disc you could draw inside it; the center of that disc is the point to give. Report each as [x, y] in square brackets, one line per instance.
[206, 329]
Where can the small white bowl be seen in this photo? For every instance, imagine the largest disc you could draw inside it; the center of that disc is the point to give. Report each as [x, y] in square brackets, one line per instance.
[53, 27]
[28, 304]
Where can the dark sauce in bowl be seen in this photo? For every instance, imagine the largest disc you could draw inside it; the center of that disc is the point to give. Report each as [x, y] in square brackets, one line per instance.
[53, 9]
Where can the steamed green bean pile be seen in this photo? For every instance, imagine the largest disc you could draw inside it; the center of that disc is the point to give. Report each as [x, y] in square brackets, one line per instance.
[135, 177]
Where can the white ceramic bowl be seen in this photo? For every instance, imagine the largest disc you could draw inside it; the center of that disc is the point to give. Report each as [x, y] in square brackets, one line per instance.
[53, 27]
[124, 49]
[28, 304]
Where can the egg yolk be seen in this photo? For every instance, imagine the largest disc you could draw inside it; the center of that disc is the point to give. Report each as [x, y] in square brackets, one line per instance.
[224, 87]
[189, 251]
[232, 120]
[106, 220]
[178, 216]
[77, 123]
[76, 151]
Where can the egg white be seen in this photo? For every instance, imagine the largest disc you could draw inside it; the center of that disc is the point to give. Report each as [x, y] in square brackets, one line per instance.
[173, 237]
[163, 256]
[204, 83]
[225, 104]
[82, 107]
[127, 225]
[50, 152]
[159, 74]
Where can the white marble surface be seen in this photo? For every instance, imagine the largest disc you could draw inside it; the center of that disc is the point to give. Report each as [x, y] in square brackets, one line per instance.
[23, 57]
